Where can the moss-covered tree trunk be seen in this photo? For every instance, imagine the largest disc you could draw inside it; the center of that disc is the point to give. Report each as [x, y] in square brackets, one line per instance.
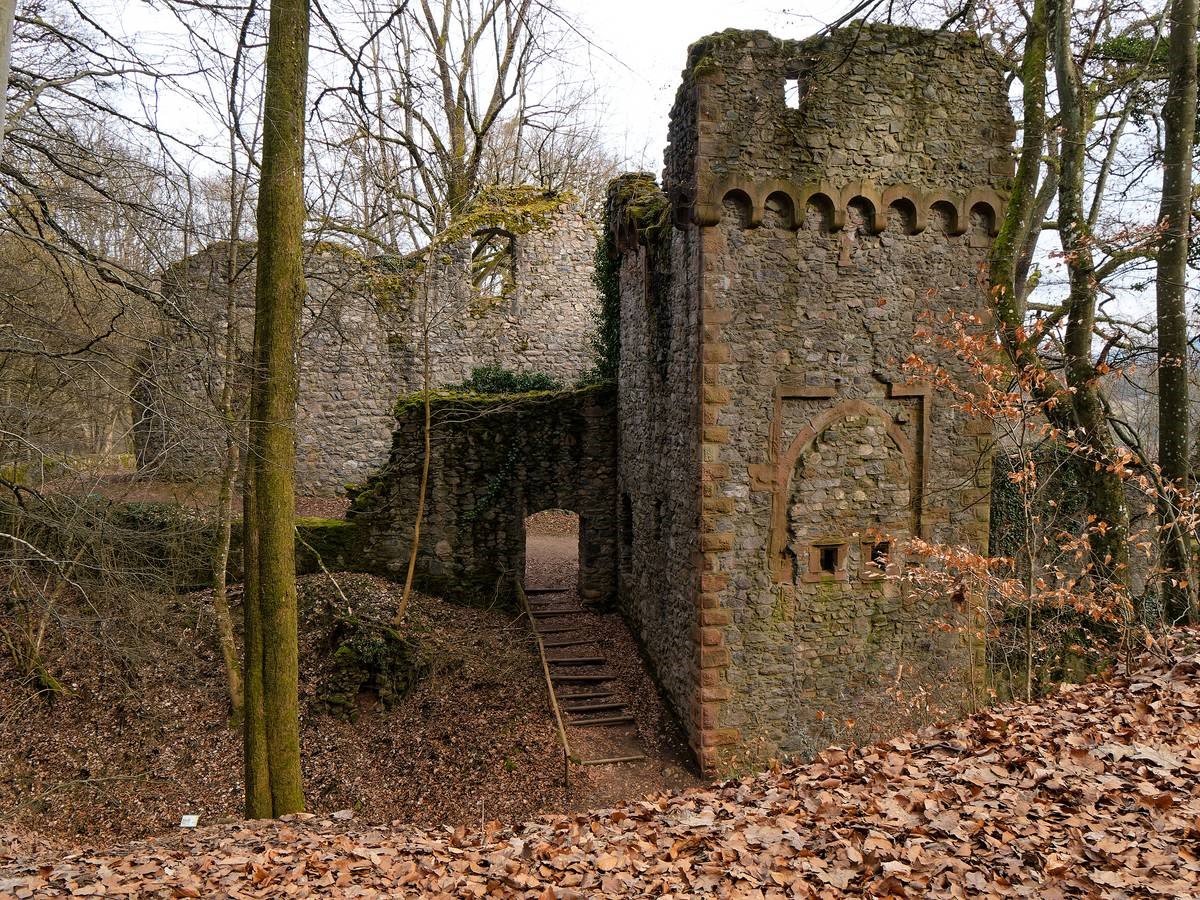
[1179, 121]
[1012, 236]
[279, 294]
[254, 731]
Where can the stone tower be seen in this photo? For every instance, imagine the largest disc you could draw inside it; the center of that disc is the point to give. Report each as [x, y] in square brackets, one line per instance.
[821, 199]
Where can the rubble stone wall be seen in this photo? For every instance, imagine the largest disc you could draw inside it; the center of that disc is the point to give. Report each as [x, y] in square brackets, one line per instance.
[494, 461]
[543, 324]
[348, 371]
[660, 431]
[360, 347]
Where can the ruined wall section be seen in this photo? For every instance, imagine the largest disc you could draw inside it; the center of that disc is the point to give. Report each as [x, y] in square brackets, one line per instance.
[361, 345]
[495, 460]
[347, 368]
[659, 431]
[829, 229]
[542, 324]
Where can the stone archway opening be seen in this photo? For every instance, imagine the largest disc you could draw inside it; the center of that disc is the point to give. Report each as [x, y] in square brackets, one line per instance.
[552, 549]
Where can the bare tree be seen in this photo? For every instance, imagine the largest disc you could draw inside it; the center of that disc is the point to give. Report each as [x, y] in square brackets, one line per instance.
[442, 98]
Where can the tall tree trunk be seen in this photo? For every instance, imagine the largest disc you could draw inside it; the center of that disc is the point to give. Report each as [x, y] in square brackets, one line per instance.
[254, 729]
[279, 295]
[1018, 217]
[1179, 120]
[1105, 494]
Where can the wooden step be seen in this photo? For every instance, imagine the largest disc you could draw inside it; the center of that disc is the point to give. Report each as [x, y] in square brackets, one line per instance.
[613, 759]
[607, 720]
[555, 645]
[539, 613]
[545, 590]
[558, 629]
[567, 676]
[594, 707]
[576, 661]
[594, 695]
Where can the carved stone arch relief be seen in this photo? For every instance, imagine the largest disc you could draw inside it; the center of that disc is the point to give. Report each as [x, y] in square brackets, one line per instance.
[824, 195]
[780, 202]
[749, 213]
[983, 211]
[995, 204]
[951, 208]
[910, 204]
[869, 194]
[776, 475]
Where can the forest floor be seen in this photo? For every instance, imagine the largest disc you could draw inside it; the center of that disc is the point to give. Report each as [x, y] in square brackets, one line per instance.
[198, 495]
[141, 736]
[1093, 792]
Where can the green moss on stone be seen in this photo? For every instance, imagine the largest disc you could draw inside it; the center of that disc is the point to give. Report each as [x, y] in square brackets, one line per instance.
[333, 543]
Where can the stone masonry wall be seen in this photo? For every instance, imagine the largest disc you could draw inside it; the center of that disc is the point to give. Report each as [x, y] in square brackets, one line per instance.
[659, 420]
[815, 239]
[494, 461]
[360, 347]
[542, 324]
[348, 374]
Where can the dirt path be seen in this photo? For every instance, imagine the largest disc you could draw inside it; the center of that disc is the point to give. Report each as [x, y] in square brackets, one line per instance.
[552, 562]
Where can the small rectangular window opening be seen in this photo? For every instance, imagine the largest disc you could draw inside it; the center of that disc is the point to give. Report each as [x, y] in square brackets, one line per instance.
[880, 553]
[828, 559]
[792, 92]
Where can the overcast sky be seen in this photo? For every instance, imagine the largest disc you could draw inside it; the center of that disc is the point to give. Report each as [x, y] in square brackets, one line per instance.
[632, 50]
[642, 46]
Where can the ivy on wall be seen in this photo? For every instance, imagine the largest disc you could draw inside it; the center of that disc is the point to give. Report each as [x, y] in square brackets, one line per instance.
[496, 379]
[606, 339]
[638, 207]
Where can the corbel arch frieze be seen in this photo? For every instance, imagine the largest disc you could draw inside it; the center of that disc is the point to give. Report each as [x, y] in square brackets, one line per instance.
[902, 195]
[709, 206]
[864, 190]
[984, 196]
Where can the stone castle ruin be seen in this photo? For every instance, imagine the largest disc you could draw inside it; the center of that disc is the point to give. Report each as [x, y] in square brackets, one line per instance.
[530, 308]
[747, 486]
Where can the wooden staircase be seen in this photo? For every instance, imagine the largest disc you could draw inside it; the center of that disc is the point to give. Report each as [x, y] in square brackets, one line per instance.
[583, 688]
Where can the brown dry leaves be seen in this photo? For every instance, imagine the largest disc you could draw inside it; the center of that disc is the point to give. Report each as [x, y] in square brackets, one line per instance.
[1093, 793]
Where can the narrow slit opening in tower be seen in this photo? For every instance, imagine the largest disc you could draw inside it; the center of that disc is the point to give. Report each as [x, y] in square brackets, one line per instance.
[793, 92]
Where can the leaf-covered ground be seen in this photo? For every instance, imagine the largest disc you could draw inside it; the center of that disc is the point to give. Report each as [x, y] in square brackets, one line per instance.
[142, 737]
[1093, 793]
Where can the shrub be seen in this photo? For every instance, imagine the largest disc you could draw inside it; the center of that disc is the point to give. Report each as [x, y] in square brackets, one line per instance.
[495, 379]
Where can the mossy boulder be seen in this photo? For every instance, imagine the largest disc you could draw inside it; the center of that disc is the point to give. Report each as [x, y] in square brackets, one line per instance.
[369, 661]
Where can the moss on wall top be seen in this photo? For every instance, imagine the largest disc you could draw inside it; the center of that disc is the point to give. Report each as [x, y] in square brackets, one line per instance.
[452, 400]
[515, 209]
